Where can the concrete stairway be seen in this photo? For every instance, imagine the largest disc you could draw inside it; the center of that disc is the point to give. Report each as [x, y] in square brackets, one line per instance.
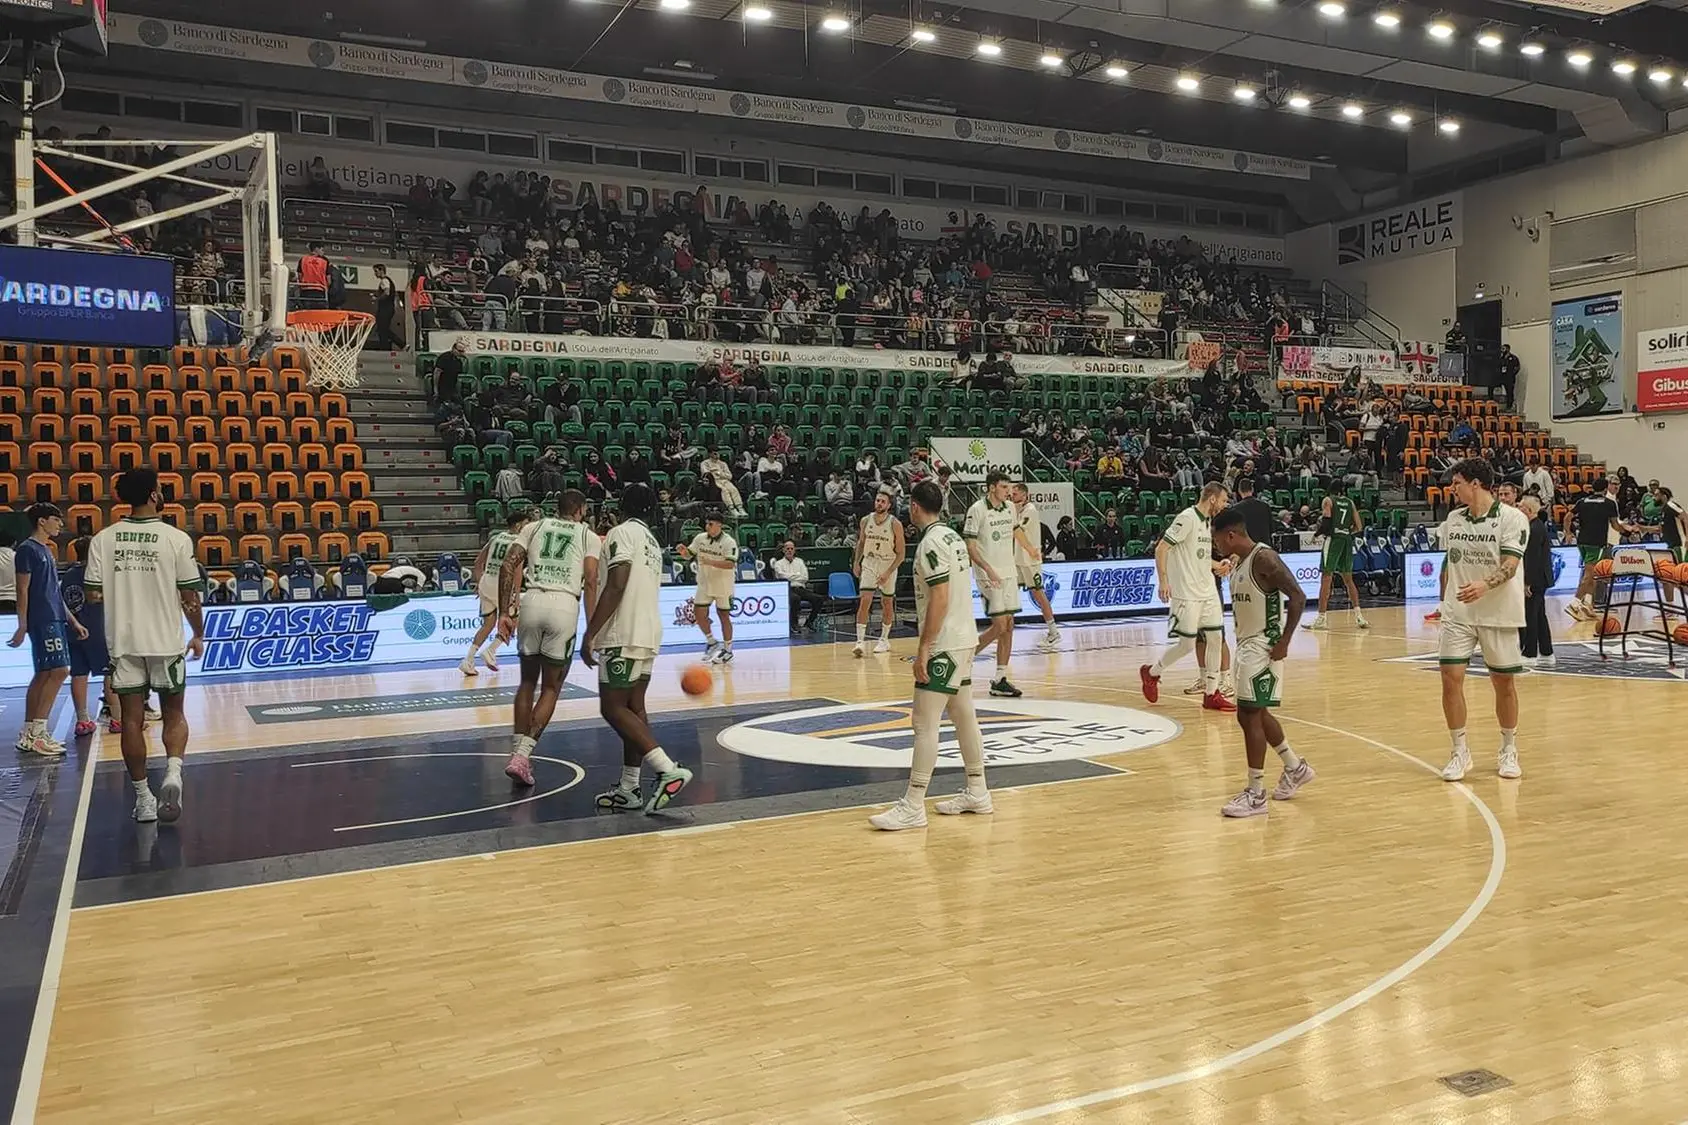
[424, 510]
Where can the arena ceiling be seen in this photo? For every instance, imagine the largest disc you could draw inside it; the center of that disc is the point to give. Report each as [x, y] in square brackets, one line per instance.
[1384, 93]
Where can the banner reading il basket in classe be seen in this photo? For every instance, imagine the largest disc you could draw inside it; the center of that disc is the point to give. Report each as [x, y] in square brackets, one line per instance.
[1588, 335]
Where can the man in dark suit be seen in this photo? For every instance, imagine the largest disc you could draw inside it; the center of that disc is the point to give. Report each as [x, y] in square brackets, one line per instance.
[1257, 514]
[1536, 637]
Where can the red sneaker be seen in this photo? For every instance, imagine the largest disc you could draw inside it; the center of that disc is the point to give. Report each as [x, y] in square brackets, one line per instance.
[1217, 702]
[1151, 684]
[1434, 615]
[519, 770]
[86, 727]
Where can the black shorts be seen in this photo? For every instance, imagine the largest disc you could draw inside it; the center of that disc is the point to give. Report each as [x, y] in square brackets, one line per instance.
[89, 657]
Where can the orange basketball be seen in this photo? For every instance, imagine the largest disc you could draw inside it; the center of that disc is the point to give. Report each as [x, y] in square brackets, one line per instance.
[1603, 568]
[1610, 625]
[1680, 634]
[1682, 574]
[1665, 570]
[696, 680]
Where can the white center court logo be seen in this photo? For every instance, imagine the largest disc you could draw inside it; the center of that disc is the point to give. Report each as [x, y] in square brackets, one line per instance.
[1017, 733]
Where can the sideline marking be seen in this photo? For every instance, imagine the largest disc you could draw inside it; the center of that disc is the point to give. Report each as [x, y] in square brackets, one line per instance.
[47, 1000]
[579, 776]
[1497, 866]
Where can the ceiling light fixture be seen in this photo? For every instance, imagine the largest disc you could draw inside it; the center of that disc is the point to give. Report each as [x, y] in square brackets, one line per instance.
[1623, 68]
[1489, 39]
[758, 14]
[676, 5]
[1333, 9]
[990, 48]
[1442, 30]
[1401, 118]
[1116, 71]
[1448, 125]
[835, 24]
[1658, 76]
[1532, 48]
[1243, 93]
[1352, 111]
[1050, 59]
[923, 35]
[1299, 101]
[1386, 19]
[1189, 83]
[1579, 58]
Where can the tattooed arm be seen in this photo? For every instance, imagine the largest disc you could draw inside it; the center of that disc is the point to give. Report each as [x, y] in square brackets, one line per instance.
[1271, 573]
[509, 588]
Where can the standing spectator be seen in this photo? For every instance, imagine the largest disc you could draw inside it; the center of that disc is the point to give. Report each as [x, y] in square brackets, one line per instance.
[1507, 372]
[448, 368]
[1539, 480]
[313, 278]
[1110, 537]
[1536, 636]
[386, 308]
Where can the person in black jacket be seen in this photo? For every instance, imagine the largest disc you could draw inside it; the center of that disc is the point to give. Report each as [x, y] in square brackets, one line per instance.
[1536, 637]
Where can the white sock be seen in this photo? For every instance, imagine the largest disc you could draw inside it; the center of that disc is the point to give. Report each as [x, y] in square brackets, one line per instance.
[173, 768]
[1210, 681]
[34, 727]
[141, 787]
[1176, 651]
[1256, 780]
[861, 634]
[1001, 671]
[492, 645]
[630, 777]
[523, 744]
[970, 739]
[1291, 760]
[929, 709]
[885, 632]
[1509, 738]
[474, 651]
[659, 760]
[1457, 738]
[1051, 630]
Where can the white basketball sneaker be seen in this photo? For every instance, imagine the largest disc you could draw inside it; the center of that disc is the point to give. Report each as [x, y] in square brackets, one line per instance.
[1458, 762]
[882, 645]
[468, 666]
[903, 814]
[1508, 766]
[967, 802]
[860, 650]
[146, 807]
[170, 797]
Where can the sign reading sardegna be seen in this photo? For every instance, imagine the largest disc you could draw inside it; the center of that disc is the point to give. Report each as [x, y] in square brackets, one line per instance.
[84, 297]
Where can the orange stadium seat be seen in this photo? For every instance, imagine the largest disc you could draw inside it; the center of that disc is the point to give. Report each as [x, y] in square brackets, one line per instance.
[162, 404]
[289, 515]
[233, 428]
[11, 373]
[303, 430]
[175, 515]
[293, 379]
[122, 377]
[241, 457]
[44, 457]
[197, 428]
[365, 514]
[319, 486]
[87, 427]
[226, 378]
[355, 486]
[126, 455]
[266, 404]
[215, 550]
[348, 458]
[259, 379]
[196, 404]
[184, 354]
[298, 405]
[313, 457]
[205, 488]
[210, 519]
[339, 431]
[233, 404]
[203, 456]
[12, 400]
[47, 375]
[84, 519]
[276, 457]
[172, 487]
[282, 486]
[87, 400]
[285, 356]
[85, 376]
[326, 515]
[43, 487]
[193, 378]
[373, 545]
[126, 427]
[164, 427]
[11, 457]
[157, 377]
[87, 488]
[47, 400]
[332, 546]
[10, 494]
[246, 486]
[47, 427]
[334, 405]
[124, 402]
[251, 517]
[11, 427]
[118, 511]
[296, 545]
[256, 548]
[271, 430]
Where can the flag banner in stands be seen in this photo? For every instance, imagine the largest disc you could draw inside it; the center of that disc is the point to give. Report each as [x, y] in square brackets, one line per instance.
[259, 640]
[341, 57]
[633, 350]
[1661, 370]
[1588, 339]
[972, 459]
[1335, 363]
[87, 297]
[1422, 361]
[1126, 586]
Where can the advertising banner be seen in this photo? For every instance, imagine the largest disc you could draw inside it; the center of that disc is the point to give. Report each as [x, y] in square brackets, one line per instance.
[1053, 501]
[1402, 232]
[1424, 572]
[1311, 362]
[786, 355]
[1588, 335]
[275, 637]
[337, 55]
[1118, 586]
[85, 297]
[1661, 370]
[971, 460]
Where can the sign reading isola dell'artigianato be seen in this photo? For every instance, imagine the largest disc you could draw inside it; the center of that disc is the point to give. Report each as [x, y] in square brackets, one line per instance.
[1402, 232]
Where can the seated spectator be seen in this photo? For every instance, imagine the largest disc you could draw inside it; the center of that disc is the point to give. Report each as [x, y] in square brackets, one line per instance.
[796, 572]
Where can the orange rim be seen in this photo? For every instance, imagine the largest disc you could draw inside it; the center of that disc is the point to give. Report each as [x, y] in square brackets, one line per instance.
[327, 318]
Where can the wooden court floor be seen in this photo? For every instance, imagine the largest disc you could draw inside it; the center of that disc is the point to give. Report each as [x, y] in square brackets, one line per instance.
[1106, 949]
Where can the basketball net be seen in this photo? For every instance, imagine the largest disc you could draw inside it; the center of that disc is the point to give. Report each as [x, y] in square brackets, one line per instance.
[332, 341]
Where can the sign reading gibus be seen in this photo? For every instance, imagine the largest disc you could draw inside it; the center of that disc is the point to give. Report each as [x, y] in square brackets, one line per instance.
[1661, 370]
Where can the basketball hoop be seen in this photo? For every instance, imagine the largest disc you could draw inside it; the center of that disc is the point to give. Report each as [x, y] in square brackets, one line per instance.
[331, 340]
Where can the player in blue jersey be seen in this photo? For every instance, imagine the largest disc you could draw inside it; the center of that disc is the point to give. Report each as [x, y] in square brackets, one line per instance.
[43, 619]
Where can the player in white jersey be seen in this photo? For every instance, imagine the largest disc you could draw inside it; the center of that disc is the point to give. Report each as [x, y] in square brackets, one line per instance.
[1484, 567]
[623, 636]
[989, 534]
[943, 667]
[880, 550]
[1261, 588]
[1186, 570]
[557, 556]
[487, 566]
[716, 556]
[1028, 562]
[145, 572]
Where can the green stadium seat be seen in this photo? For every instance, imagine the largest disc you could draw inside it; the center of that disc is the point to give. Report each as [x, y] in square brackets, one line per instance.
[598, 433]
[750, 535]
[466, 457]
[600, 390]
[732, 436]
[495, 457]
[691, 412]
[776, 534]
[477, 483]
[526, 454]
[639, 411]
[488, 513]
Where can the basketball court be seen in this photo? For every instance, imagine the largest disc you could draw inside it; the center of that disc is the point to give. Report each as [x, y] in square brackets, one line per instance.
[358, 919]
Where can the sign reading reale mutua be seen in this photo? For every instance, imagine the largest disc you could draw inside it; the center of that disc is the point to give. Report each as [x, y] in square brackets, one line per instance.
[1401, 232]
